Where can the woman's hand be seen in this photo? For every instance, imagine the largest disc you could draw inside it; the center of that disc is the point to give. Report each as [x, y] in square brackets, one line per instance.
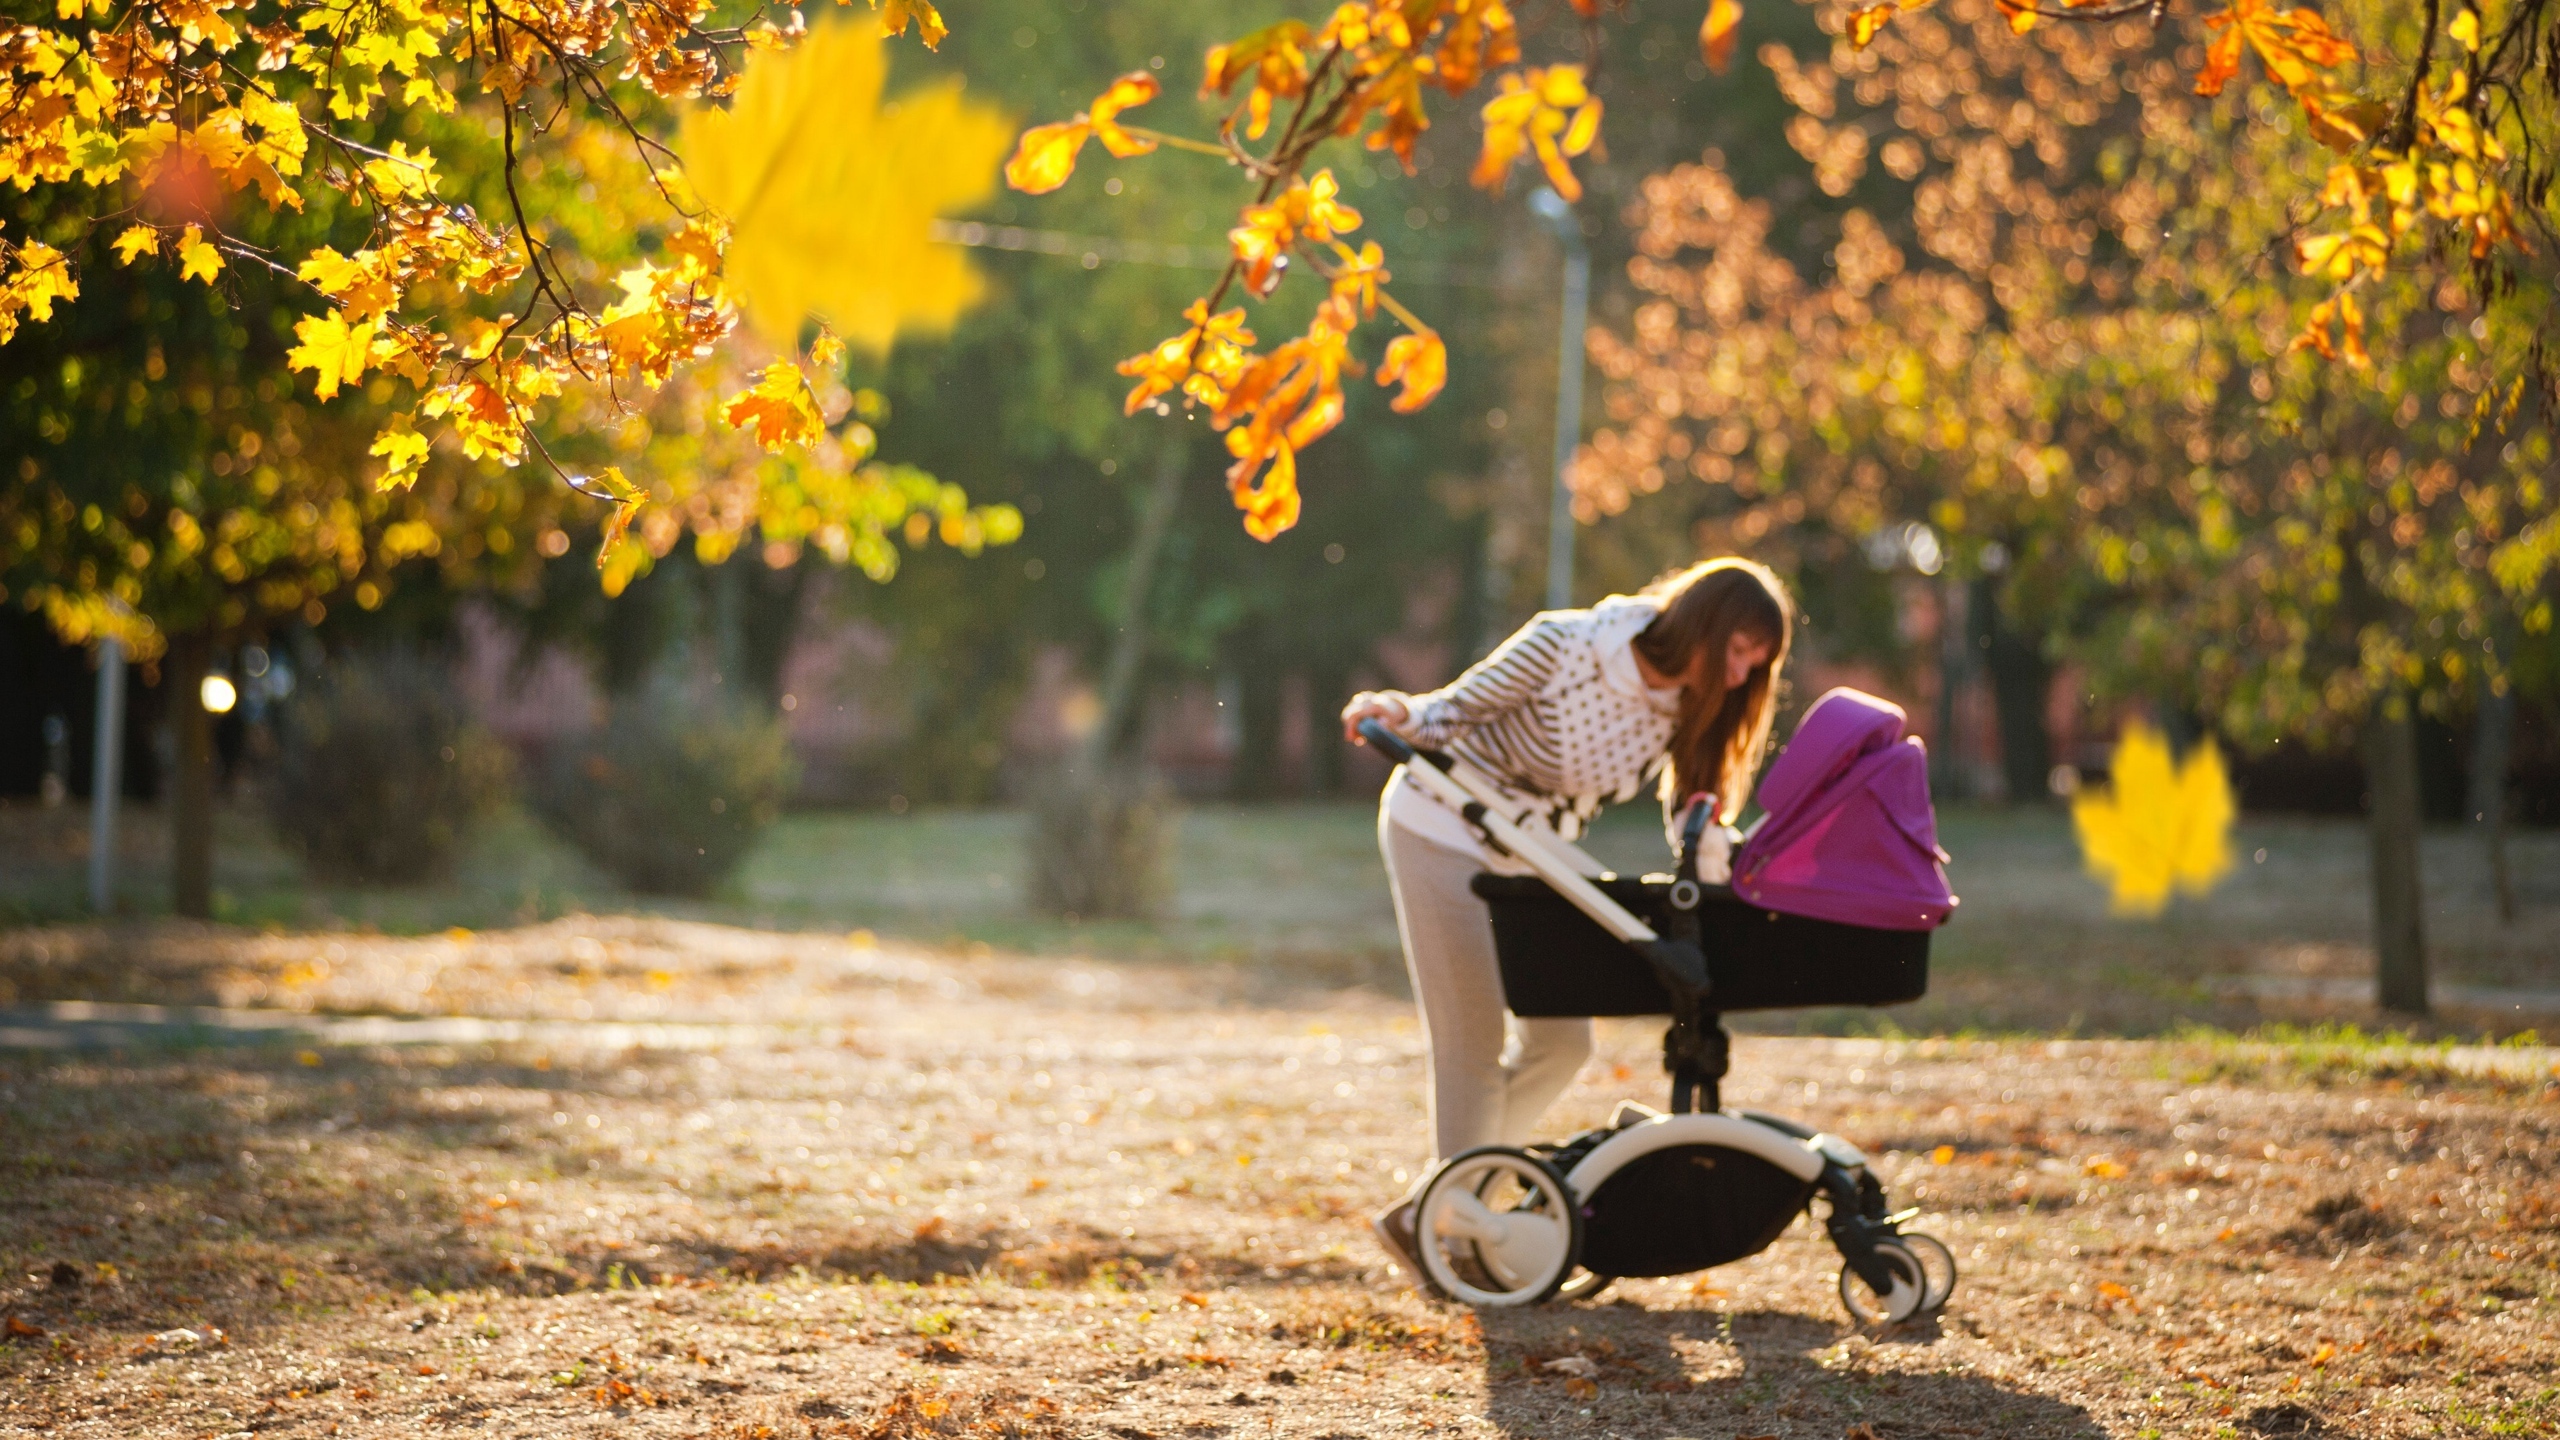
[1387, 707]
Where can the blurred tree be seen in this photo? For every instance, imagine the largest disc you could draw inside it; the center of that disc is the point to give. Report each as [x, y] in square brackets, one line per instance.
[2093, 365]
[171, 486]
[175, 487]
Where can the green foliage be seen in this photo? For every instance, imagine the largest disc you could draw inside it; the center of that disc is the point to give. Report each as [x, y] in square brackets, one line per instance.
[673, 790]
[381, 775]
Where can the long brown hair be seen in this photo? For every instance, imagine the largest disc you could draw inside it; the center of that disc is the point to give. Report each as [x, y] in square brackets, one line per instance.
[1721, 734]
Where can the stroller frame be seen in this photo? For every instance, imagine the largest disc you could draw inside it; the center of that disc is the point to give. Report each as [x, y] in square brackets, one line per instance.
[1504, 1226]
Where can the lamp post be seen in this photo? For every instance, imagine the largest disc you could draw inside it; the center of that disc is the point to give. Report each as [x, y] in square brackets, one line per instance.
[105, 776]
[1558, 214]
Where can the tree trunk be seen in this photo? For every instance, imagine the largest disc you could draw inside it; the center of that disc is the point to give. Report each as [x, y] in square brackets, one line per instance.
[2492, 751]
[1129, 647]
[1953, 777]
[1327, 689]
[2021, 683]
[1261, 696]
[191, 799]
[1101, 828]
[775, 602]
[2399, 932]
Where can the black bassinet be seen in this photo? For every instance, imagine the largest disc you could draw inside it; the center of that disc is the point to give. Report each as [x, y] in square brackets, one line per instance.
[1557, 961]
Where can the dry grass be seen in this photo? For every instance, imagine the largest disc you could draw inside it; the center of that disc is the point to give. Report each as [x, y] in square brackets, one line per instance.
[938, 1194]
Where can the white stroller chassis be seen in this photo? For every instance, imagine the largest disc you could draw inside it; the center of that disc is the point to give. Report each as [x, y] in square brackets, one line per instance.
[1651, 1193]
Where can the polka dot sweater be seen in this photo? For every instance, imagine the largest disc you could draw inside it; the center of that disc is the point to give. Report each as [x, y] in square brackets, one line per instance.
[1559, 717]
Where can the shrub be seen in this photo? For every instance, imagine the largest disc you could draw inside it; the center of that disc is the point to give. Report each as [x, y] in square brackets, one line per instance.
[1099, 843]
[672, 792]
[380, 773]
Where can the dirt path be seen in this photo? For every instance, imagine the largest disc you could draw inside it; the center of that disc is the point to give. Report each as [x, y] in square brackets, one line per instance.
[943, 1195]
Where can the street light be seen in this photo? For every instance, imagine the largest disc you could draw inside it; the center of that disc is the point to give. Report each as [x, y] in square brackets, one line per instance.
[1558, 213]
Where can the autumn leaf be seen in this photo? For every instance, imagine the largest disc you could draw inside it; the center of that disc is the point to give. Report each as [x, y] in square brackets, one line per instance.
[627, 500]
[2162, 826]
[403, 452]
[1269, 501]
[1548, 110]
[1310, 209]
[337, 351]
[1421, 361]
[2293, 45]
[1126, 93]
[1046, 156]
[1717, 35]
[831, 195]
[1866, 23]
[136, 241]
[778, 409]
[197, 259]
[896, 14]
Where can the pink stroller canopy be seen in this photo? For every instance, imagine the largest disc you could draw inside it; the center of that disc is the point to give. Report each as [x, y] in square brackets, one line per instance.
[1848, 835]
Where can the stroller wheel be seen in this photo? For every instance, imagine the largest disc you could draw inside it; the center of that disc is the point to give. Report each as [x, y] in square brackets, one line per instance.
[1937, 1267]
[1496, 1226]
[1583, 1286]
[1893, 1306]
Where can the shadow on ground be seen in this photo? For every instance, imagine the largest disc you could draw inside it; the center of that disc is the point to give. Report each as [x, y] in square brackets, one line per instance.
[1746, 1373]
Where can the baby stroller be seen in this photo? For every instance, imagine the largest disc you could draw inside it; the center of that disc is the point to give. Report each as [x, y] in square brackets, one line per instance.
[1832, 901]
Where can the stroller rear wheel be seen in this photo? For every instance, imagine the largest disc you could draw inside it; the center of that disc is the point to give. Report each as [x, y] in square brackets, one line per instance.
[1583, 1286]
[1496, 1227]
[1868, 1306]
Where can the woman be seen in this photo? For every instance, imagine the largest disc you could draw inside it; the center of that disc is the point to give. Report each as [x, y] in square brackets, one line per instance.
[1580, 709]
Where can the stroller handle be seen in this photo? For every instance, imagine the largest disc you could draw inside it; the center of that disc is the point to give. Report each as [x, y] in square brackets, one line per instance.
[1394, 746]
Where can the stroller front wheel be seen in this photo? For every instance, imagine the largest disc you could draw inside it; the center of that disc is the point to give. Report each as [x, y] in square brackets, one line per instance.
[1937, 1265]
[1496, 1227]
[1868, 1306]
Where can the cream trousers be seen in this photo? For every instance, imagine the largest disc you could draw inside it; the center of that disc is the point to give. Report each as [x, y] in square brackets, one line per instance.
[1492, 1073]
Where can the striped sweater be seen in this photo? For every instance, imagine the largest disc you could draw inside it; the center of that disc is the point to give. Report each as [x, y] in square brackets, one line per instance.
[1559, 717]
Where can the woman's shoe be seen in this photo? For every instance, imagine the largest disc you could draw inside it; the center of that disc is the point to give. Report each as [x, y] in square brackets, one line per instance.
[1394, 1229]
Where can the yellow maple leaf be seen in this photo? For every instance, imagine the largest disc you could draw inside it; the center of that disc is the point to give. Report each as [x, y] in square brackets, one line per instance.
[335, 349]
[779, 408]
[137, 240]
[197, 259]
[627, 498]
[831, 195]
[404, 451]
[2162, 825]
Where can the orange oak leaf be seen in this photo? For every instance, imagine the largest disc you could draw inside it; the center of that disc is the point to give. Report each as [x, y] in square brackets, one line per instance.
[1047, 156]
[2293, 45]
[1717, 35]
[1548, 110]
[1269, 500]
[1421, 361]
[1202, 361]
[1126, 93]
